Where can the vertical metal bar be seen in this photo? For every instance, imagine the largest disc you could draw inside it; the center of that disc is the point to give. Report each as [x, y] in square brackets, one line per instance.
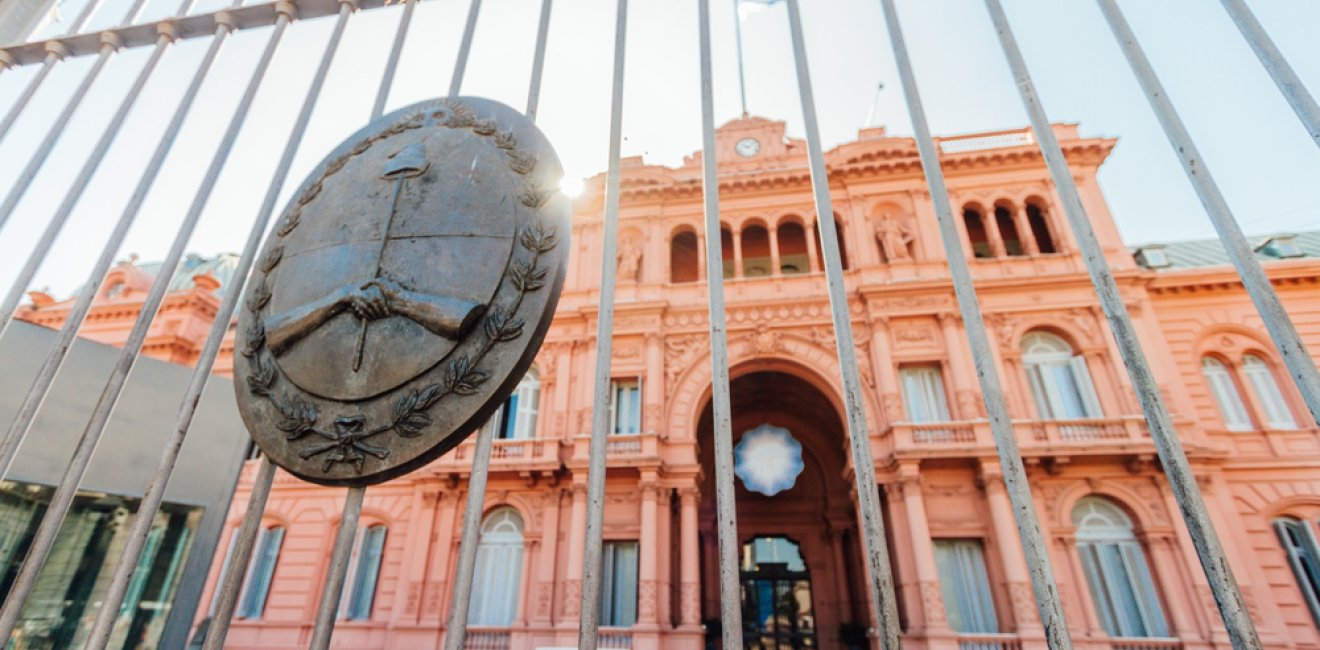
[460, 602]
[55, 53]
[392, 64]
[725, 497]
[464, 48]
[93, 163]
[333, 587]
[992, 392]
[538, 60]
[589, 622]
[68, 332]
[742, 79]
[456, 631]
[61, 499]
[1301, 100]
[1286, 339]
[881, 580]
[232, 581]
[109, 45]
[1241, 630]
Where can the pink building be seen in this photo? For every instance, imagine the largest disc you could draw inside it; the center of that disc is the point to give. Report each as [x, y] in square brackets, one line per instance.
[1125, 566]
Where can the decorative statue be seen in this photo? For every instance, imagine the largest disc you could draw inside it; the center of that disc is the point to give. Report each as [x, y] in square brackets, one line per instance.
[630, 261]
[894, 237]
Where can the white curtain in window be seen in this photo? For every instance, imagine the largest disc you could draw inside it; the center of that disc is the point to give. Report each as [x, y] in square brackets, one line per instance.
[923, 394]
[1299, 543]
[626, 406]
[1261, 378]
[618, 607]
[366, 572]
[498, 574]
[1116, 571]
[965, 586]
[262, 570]
[1060, 381]
[1227, 398]
[528, 397]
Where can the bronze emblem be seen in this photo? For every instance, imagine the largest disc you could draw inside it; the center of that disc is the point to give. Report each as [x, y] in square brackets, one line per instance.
[403, 293]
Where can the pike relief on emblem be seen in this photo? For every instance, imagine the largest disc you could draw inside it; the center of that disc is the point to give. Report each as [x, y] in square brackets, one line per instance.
[403, 293]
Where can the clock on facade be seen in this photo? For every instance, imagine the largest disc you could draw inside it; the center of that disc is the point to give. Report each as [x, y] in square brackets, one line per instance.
[747, 147]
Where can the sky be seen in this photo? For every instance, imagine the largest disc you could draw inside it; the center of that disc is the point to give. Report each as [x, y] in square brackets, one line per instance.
[1267, 166]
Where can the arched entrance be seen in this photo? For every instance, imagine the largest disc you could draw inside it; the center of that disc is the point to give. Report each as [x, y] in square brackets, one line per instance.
[800, 550]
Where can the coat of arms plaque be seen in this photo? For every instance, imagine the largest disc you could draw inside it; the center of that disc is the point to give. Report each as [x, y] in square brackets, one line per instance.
[403, 292]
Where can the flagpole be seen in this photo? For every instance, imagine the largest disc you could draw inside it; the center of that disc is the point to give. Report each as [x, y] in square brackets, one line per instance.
[742, 80]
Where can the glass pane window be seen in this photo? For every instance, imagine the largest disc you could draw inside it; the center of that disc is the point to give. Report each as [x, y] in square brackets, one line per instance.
[923, 394]
[498, 573]
[626, 406]
[1227, 397]
[365, 574]
[517, 416]
[1116, 571]
[1060, 380]
[618, 606]
[257, 585]
[1299, 544]
[1261, 378]
[965, 586]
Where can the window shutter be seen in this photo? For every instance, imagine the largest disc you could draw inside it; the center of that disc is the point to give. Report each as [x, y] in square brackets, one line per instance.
[1299, 545]
[1086, 389]
[1152, 615]
[1267, 391]
[1227, 398]
[367, 573]
[263, 570]
[1035, 377]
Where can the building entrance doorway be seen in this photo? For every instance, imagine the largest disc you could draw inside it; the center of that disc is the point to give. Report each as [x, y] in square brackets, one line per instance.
[776, 596]
[797, 524]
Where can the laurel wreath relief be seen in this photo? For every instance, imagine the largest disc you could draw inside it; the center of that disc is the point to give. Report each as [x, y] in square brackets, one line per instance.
[346, 441]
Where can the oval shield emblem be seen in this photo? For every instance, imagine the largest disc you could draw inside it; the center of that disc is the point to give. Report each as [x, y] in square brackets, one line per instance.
[403, 293]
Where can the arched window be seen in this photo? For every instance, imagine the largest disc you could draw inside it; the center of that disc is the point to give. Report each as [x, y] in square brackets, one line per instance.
[257, 584]
[793, 249]
[684, 253]
[518, 414]
[365, 573]
[498, 570]
[726, 251]
[1040, 229]
[1299, 544]
[1261, 378]
[1008, 231]
[755, 251]
[1059, 379]
[1116, 571]
[1227, 398]
[976, 233]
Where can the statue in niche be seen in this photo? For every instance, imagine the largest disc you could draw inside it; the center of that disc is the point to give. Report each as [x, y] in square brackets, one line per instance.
[630, 261]
[895, 238]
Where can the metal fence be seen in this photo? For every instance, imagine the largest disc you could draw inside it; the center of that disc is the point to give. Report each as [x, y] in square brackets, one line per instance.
[160, 35]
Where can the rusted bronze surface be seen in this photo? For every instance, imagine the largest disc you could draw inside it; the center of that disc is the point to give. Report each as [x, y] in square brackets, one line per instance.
[403, 293]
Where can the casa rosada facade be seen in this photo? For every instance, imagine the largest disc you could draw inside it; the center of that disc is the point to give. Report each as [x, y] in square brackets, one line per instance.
[1125, 566]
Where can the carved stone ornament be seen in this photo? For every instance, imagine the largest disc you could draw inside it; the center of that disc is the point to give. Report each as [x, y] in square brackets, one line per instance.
[403, 293]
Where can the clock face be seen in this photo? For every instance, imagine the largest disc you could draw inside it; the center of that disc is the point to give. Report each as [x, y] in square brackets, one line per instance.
[747, 147]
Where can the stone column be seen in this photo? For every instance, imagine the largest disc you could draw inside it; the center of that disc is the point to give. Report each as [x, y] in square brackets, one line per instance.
[689, 569]
[572, 594]
[1025, 616]
[774, 249]
[701, 256]
[813, 260]
[1025, 234]
[545, 579]
[992, 232]
[653, 383]
[967, 401]
[408, 597]
[737, 254]
[928, 576]
[437, 583]
[647, 611]
[886, 378]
